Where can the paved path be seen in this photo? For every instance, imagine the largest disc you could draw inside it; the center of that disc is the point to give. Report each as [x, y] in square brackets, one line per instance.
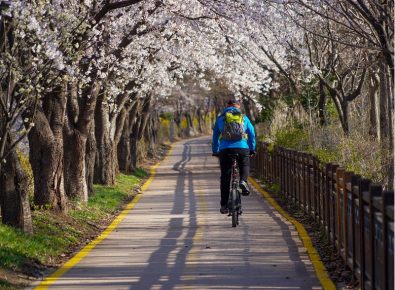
[175, 238]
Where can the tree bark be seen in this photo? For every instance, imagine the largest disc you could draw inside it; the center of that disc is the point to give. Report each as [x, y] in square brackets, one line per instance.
[344, 121]
[76, 130]
[104, 165]
[46, 153]
[124, 145]
[384, 116]
[321, 104]
[121, 123]
[14, 196]
[90, 158]
[123, 151]
[373, 110]
[109, 128]
[138, 131]
[133, 145]
[151, 135]
[74, 164]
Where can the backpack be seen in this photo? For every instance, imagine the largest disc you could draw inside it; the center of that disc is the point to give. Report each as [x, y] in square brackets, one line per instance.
[233, 126]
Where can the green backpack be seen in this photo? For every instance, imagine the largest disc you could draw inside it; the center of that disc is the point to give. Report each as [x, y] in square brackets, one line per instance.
[233, 126]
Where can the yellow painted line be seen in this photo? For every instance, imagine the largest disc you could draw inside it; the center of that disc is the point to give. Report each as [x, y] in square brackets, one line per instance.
[315, 259]
[48, 281]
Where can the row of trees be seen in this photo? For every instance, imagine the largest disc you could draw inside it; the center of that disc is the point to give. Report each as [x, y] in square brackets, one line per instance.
[84, 81]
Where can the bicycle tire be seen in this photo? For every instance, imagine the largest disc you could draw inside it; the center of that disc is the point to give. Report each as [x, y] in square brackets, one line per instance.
[234, 209]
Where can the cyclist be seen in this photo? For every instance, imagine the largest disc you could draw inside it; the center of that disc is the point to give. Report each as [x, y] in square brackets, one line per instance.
[233, 133]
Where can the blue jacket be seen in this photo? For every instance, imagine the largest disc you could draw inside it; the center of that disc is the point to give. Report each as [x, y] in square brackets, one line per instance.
[219, 144]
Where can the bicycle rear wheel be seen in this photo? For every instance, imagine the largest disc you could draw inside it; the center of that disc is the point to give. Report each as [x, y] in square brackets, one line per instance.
[234, 210]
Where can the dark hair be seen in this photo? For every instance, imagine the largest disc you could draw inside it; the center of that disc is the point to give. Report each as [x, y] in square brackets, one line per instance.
[233, 101]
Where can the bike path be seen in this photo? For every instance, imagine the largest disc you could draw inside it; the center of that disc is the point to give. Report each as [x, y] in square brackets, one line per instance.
[175, 238]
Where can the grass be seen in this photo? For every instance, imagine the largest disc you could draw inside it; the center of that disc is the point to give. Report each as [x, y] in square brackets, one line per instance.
[5, 285]
[56, 234]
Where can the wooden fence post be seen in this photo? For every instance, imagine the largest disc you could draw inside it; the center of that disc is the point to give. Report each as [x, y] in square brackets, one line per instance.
[363, 223]
[340, 185]
[289, 173]
[374, 191]
[347, 227]
[316, 188]
[355, 252]
[387, 200]
[310, 182]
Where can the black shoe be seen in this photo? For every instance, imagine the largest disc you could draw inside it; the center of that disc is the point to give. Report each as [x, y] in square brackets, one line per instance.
[224, 209]
[244, 188]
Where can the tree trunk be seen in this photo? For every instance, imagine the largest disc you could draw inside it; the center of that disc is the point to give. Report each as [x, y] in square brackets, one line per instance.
[173, 131]
[248, 108]
[344, 121]
[90, 158]
[201, 122]
[151, 135]
[321, 105]
[121, 122]
[46, 153]
[104, 165]
[124, 154]
[133, 144]
[384, 116]
[80, 113]
[138, 131]
[74, 164]
[14, 197]
[189, 131]
[386, 129]
[124, 145]
[373, 110]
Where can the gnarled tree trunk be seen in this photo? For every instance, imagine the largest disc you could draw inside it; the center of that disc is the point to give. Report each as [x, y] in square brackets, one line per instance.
[14, 197]
[124, 145]
[80, 112]
[104, 165]
[108, 130]
[74, 164]
[46, 152]
[138, 131]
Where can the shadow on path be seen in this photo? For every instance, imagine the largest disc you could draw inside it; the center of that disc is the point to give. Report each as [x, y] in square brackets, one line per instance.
[170, 273]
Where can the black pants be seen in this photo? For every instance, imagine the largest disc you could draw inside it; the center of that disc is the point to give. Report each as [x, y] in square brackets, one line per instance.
[226, 169]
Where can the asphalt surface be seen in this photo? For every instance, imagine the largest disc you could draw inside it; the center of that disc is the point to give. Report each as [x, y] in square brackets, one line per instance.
[175, 238]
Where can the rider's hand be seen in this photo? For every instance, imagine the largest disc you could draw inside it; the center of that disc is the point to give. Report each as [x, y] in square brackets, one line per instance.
[252, 153]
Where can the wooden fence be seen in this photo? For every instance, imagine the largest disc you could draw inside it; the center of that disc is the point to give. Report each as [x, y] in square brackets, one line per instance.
[357, 215]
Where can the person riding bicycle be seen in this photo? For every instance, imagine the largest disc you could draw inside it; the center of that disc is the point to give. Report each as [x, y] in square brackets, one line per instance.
[233, 133]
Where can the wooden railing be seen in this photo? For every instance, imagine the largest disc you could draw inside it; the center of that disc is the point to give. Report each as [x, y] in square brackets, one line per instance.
[357, 215]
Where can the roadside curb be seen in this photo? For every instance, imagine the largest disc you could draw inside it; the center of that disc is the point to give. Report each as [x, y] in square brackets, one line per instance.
[315, 259]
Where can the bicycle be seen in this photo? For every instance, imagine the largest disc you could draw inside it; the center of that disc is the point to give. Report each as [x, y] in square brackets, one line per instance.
[234, 202]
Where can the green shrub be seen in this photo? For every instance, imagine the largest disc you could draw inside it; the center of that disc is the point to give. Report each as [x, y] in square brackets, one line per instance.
[167, 116]
[326, 155]
[293, 138]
